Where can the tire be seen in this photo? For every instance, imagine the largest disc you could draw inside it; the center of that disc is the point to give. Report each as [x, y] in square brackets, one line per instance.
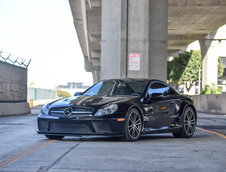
[133, 125]
[54, 137]
[189, 121]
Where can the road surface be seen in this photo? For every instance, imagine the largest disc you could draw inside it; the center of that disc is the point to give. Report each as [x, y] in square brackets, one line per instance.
[21, 149]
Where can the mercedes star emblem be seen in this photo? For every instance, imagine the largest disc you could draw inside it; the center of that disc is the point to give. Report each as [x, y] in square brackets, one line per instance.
[68, 111]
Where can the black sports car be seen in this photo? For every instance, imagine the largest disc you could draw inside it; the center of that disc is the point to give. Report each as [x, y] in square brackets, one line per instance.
[120, 107]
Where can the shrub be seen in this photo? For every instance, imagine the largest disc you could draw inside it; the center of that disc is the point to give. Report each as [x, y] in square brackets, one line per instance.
[63, 94]
[212, 90]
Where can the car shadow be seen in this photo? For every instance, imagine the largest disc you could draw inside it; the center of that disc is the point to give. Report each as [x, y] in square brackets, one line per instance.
[115, 139]
[144, 137]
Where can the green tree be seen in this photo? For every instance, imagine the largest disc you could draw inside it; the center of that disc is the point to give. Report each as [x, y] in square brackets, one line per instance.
[220, 67]
[63, 94]
[184, 69]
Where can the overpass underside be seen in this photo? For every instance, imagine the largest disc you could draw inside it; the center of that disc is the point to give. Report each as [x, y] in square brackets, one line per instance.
[131, 38]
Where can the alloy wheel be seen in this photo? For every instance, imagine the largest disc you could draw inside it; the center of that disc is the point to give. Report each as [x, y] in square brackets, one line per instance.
[134, 124]
[189, 122]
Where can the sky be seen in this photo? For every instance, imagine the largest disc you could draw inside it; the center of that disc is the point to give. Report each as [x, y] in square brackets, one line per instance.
[43, 30]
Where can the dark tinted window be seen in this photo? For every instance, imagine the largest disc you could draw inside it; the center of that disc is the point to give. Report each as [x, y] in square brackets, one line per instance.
[160, 88]
[172, 91]
[116, 88]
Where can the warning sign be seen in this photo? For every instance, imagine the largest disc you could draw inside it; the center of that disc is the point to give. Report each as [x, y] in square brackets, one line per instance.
[134, 61]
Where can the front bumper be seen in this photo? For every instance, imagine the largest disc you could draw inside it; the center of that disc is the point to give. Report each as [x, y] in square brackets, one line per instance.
[50, 125]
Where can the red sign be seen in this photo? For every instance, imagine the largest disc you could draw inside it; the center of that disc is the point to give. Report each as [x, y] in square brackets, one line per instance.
[134, 61]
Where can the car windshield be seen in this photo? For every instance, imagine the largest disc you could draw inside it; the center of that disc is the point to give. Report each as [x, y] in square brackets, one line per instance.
[116, 88]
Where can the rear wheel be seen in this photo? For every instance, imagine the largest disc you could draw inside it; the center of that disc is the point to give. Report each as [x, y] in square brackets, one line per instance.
[54, 137]
[133, 125]
[189, 121]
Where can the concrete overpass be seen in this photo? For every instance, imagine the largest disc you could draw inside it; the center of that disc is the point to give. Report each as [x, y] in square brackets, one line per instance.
[148, 31]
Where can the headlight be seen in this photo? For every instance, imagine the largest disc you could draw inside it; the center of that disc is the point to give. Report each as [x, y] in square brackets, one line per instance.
[45, 109]
[107, 110]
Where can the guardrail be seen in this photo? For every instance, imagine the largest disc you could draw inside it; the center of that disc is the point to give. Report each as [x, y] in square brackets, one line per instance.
[9, 58]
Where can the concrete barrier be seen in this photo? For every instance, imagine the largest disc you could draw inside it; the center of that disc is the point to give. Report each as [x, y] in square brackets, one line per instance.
[13, 83]
[210, 103]
[13, 90]
[20, 108]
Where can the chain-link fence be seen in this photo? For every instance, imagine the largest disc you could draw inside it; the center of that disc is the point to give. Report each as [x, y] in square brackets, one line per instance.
[41, 94]
[12, 59]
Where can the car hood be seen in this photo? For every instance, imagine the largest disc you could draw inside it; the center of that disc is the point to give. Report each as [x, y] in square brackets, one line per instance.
[90, 101]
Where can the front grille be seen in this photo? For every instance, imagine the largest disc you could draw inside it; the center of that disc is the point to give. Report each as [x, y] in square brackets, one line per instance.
[70, 128]
[75, 112]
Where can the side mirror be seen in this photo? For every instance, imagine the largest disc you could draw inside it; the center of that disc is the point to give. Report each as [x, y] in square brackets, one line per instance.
[153, 97]
[78, 94]
[156, 95]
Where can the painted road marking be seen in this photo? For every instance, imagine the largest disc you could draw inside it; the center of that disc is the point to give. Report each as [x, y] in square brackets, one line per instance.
[25, 153]
[213, 132]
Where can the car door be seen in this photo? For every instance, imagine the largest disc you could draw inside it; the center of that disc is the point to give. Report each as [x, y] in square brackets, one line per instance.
[160, 107]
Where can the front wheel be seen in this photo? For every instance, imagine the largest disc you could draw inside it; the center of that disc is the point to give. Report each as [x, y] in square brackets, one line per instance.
[133, 125]
[189, 121]
[54, 137]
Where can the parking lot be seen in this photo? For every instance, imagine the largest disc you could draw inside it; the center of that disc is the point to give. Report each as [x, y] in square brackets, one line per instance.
[21, 149]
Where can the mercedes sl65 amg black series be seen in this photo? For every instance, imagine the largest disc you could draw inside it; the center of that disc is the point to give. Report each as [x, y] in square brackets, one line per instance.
[120, 107]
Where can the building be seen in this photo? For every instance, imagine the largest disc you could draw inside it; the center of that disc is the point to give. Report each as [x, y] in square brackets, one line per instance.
[73, 87]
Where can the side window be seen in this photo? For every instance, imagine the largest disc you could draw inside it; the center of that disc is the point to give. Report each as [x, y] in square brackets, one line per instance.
[172, 92]
[158, 88]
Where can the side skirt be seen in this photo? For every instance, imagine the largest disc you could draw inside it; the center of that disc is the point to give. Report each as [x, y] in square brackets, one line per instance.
[161, 130]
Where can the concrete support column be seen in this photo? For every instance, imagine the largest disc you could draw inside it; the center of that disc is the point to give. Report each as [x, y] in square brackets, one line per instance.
[147, 36]
[209, 50]
[96, 75]
[113, 39]
[134, 39]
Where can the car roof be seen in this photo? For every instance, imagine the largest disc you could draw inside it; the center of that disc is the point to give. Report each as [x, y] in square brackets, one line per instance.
[134, 79]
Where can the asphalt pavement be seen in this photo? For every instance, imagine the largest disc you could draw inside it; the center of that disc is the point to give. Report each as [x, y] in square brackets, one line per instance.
[22, 149]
